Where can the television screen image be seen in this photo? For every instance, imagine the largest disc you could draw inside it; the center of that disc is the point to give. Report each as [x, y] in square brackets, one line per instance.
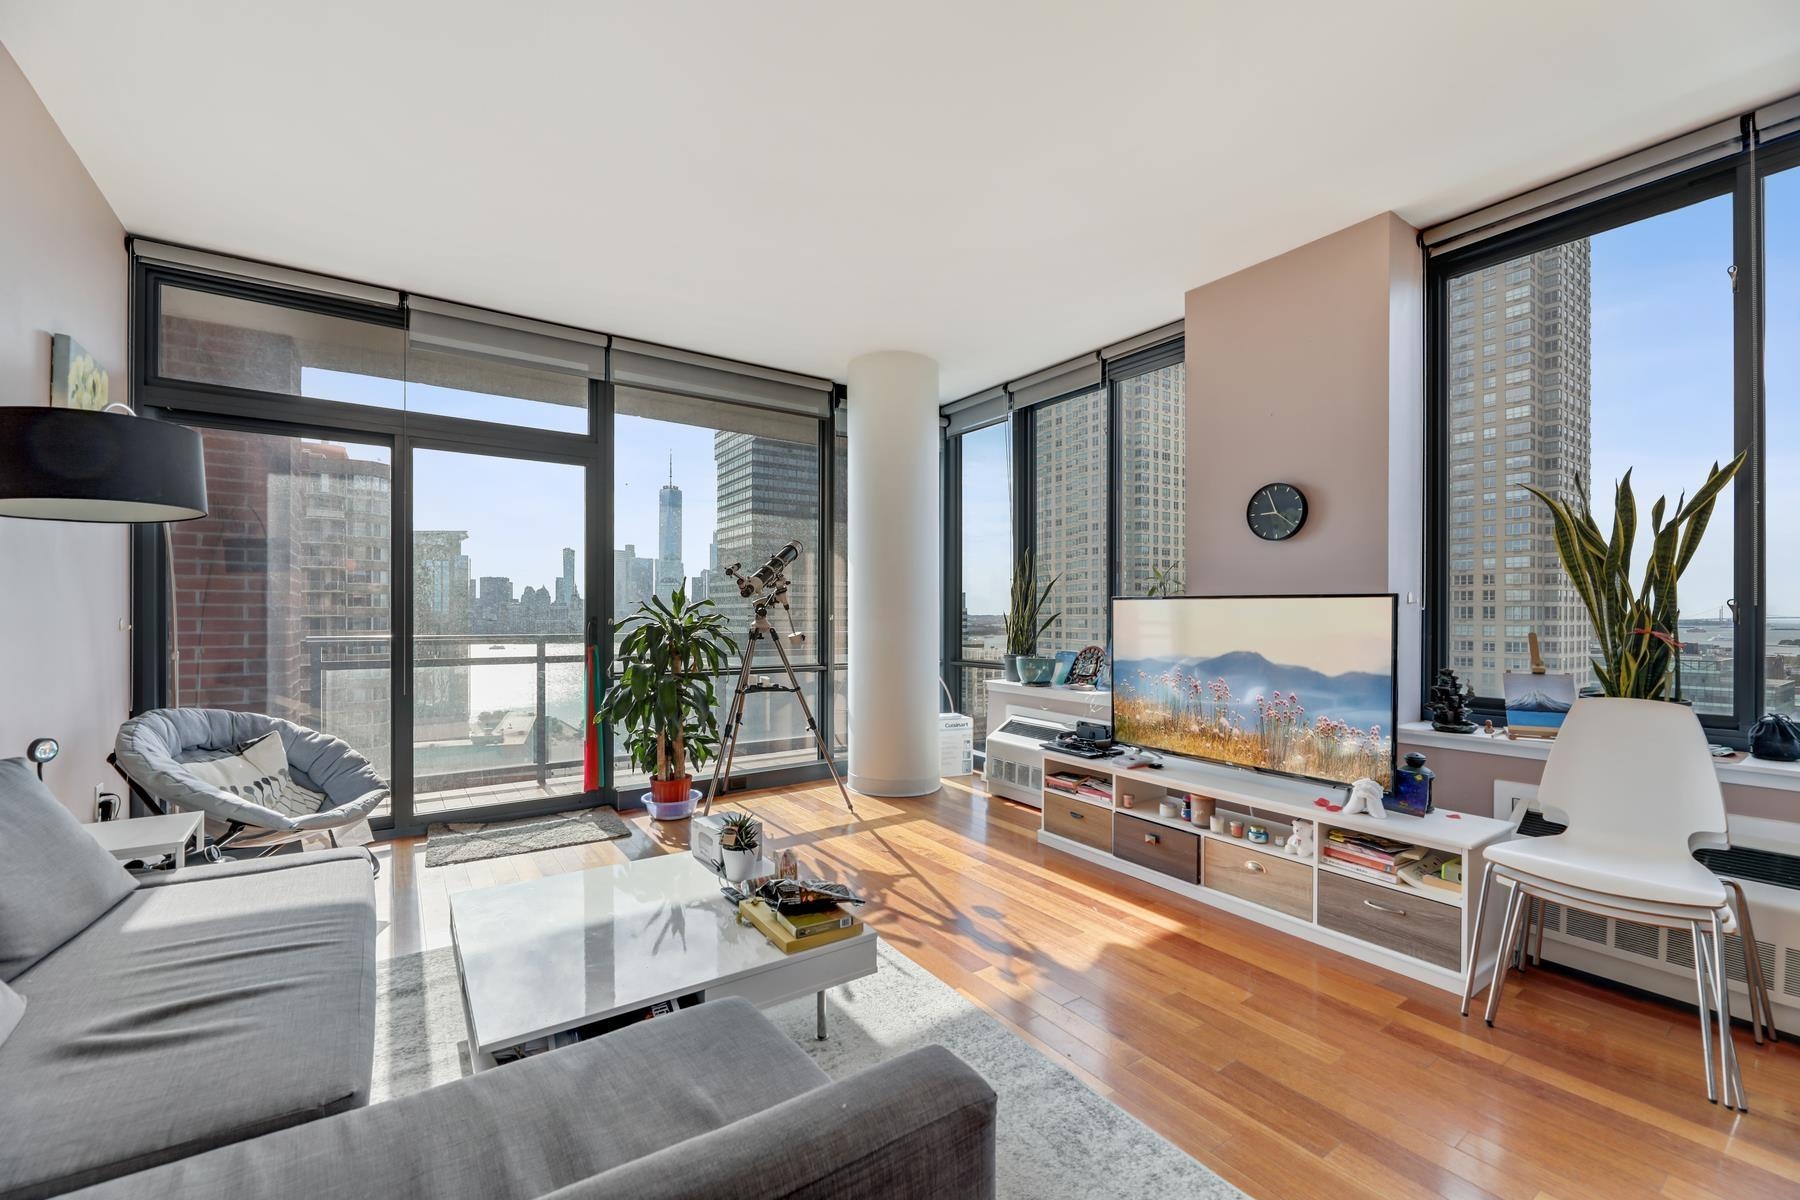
[1300, 685]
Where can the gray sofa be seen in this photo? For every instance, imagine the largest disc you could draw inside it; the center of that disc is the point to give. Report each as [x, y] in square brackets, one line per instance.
[209, 1034]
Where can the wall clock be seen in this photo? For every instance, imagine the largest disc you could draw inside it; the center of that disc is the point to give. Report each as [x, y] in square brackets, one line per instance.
[1276, 511]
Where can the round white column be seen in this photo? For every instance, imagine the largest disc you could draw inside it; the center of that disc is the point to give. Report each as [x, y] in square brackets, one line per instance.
[895, 585]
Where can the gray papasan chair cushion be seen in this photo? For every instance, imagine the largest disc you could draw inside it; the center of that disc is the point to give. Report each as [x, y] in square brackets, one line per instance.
[152, 749]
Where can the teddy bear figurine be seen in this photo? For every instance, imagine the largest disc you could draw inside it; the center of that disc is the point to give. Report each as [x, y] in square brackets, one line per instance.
[1300, 842]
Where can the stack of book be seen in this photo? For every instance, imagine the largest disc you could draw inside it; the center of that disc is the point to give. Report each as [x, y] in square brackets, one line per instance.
[802, 927]
[1074, 783]
[1367, 854]
[1427, 872]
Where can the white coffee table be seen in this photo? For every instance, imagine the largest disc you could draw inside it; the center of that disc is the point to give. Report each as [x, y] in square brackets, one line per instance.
[148, 837]
[553, 954]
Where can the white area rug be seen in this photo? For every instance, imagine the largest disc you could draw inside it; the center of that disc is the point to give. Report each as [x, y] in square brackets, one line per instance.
[1057, 1138]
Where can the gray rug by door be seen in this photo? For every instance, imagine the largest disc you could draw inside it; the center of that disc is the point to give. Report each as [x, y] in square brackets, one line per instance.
[1056, 1139]
[452, 843]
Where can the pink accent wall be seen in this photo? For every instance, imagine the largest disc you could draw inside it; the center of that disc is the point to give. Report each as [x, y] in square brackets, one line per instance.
[1308, 368]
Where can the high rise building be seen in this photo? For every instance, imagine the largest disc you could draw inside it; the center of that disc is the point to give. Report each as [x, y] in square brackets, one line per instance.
[1152, 478]
[1069, 453]
[768, 495]
[1520, 413]
[670, 574]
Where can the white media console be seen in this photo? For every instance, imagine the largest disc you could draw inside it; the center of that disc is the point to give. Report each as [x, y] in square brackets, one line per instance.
[1424, 933]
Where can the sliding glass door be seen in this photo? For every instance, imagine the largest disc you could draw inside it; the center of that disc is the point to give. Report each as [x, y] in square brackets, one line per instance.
[499, 685]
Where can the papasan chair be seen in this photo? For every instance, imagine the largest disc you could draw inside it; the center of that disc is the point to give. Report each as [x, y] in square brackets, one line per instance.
[336, 786]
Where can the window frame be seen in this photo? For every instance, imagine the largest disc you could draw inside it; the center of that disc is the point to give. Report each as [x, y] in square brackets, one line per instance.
[158, 397]
[1022, 426]
[1741, 177]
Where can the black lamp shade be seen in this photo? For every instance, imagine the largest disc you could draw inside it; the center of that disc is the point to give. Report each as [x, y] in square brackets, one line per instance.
[69, 464]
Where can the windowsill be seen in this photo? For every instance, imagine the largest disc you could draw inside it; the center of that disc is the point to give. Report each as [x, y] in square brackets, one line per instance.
[1739, 768]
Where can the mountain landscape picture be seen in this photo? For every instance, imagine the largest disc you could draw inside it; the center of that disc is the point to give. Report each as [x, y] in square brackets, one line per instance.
[1303, 685]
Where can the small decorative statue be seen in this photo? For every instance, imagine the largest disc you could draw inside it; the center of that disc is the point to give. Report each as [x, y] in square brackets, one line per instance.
[1450, 698]
[1300, 842]
[1365, 797]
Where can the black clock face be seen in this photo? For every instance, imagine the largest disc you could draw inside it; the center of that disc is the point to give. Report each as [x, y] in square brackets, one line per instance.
[1276, 512]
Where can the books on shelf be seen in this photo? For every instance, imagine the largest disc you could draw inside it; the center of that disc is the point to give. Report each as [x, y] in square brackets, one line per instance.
[1074, 783]
[1427, 873]
[782, 937]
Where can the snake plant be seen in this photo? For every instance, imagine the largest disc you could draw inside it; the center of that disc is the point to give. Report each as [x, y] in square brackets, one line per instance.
[1636, 629]
[1023, 628]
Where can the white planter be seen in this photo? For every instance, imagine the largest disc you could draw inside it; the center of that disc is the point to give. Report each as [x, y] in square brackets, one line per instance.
[739, 864]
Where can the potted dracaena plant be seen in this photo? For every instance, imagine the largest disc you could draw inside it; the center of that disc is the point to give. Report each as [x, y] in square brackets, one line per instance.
[1636, 629]
[663, 704]
[1025, 622]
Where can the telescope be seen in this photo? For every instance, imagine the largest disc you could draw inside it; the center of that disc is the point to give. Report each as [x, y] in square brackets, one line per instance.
[767, 574]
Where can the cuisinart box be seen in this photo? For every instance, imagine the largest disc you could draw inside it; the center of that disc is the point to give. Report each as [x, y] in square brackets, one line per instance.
[956, 744]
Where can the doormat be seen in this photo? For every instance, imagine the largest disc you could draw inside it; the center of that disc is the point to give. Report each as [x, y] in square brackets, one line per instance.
[448, 844]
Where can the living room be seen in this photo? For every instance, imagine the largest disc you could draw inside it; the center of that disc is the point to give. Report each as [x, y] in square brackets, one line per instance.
[688, 600]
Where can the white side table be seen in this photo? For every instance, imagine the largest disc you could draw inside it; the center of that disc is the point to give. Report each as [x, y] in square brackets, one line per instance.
[149, 837]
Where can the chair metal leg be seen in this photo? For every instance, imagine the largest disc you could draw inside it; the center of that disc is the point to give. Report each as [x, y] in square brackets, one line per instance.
[1474, 963]
[1701, 971]
[1515, 906]
[1761, 1014]
[1543, 916]
[1728, 1062]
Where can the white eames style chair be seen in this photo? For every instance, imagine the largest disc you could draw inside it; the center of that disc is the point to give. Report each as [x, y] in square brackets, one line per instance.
[1637, 784]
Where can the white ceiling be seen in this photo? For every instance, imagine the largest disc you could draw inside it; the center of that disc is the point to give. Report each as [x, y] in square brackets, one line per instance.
[998, 185]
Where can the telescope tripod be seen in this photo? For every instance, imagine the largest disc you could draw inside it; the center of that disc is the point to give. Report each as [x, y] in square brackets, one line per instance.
[762, 631]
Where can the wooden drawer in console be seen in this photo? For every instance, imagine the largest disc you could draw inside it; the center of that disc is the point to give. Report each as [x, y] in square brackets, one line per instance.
[1270, 880]
[1171, 851]
[1411, 925]
[1078, 821]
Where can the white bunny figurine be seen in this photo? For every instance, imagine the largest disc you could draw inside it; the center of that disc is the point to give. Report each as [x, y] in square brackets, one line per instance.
[1365, 797]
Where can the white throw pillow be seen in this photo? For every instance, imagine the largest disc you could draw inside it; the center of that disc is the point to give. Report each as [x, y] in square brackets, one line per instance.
[12, 1007]
[259, 773]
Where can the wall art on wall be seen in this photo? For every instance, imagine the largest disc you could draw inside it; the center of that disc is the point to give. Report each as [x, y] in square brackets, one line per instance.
[76, 380]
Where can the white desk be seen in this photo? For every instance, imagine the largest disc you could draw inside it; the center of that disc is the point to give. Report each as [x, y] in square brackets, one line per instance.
[149, 838]
[553, 954]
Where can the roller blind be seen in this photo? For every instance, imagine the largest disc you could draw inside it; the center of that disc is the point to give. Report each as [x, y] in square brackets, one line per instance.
[1143, 341]
[1053, 383]
[253, 272]
[436, 325]
[643, 364]
[1717, 141]
[973, 412]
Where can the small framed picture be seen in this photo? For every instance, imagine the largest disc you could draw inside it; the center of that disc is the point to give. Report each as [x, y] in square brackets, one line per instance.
[76, 380]
[1536, 705]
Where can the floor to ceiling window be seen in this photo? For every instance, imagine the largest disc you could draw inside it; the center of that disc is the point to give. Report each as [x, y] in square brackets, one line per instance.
[1083, 467]
[1647, 332]
[424, 517]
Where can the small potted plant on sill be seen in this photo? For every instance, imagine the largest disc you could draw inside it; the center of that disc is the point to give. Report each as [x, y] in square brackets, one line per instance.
[740, 846]
[1023, 625]
[663, 703]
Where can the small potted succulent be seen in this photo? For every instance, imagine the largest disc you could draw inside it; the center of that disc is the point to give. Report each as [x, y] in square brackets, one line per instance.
[663, 704]
[740, 846]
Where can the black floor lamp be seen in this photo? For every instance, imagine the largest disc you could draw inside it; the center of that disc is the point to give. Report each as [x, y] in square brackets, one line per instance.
[112, 467]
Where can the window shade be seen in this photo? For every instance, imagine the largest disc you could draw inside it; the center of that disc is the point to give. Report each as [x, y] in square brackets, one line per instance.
[665, 369]
[973, 412]
[1719, 140]
[1144, 341]
[434, 325]
[1053, 383]
[233, 268]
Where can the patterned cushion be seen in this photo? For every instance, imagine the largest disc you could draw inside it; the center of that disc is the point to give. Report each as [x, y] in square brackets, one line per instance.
[259, 773]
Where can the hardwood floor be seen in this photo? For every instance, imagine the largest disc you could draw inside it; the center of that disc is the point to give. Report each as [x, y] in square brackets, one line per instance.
[1291, 1070]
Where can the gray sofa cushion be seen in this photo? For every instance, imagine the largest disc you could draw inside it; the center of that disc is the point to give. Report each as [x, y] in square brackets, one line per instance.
[915, 1127]
[55, 880]
[219, 1005]
[12, 1007]
[522, 1130]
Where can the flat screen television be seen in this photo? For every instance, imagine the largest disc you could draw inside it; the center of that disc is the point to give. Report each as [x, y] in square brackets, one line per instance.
[1296, 685]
